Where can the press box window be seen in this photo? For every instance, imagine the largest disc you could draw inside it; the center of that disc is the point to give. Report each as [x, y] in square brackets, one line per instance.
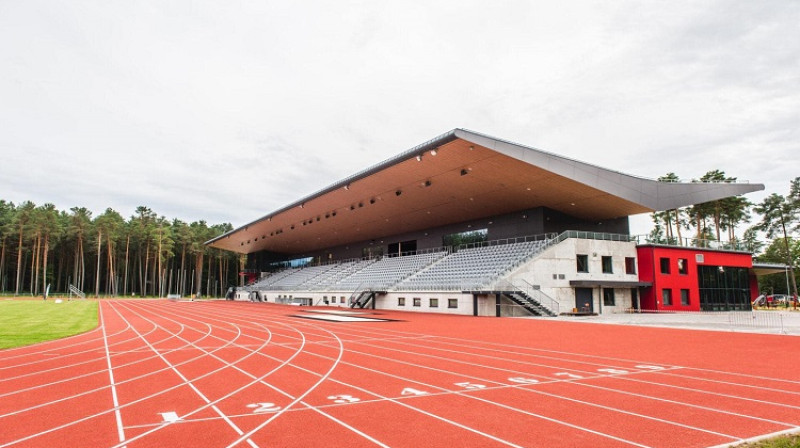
[630, 265]
[417, 301]
[452, 303]
[583, 263]
[434, 303]
[607, 266]
[608, 297]
[664, 265]
[401, 301]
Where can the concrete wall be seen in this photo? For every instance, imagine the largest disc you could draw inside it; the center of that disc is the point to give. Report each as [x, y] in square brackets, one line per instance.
[553, 269]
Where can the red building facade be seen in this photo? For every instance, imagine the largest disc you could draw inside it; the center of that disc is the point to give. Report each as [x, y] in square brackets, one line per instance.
[693, 279]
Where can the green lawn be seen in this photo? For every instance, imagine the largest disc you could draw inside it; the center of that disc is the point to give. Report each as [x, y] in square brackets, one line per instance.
[25, 322]
[788, 441]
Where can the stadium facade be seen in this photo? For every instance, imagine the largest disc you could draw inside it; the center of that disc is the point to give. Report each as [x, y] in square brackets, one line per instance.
[470, 224]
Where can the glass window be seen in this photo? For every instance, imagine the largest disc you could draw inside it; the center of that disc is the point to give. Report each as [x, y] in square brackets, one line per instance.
[452, 303]
[417, 301]
[401, 301]
[683, 266]
[434, 303]
[341, 299]
[666, 296]
[684, 297]
[607, 267]
[630, 265]
[608, 297]
[665, 266]
[583, 263]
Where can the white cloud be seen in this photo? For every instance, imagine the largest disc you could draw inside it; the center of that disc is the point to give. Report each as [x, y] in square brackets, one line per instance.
[225, 111]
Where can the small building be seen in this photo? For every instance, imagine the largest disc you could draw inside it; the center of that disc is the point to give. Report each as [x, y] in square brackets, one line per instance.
[695, 279]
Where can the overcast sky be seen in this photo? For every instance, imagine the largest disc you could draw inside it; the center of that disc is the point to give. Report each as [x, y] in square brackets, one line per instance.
[227, 110]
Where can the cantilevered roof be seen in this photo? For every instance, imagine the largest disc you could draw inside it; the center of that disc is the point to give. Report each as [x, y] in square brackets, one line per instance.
[460, 176]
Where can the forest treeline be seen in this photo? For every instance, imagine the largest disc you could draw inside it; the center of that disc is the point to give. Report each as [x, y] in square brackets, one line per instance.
[150, 255]
[143, 255]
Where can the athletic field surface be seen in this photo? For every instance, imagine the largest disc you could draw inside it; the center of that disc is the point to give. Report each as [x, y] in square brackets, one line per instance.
[161, 373]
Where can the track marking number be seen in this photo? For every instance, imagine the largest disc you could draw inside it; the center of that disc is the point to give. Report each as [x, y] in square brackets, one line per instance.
[341, 399]
[571, 376]
[646, 367]
[259, 408]
[523, 380]
[470, 386]
[412, 391]
[613, 371]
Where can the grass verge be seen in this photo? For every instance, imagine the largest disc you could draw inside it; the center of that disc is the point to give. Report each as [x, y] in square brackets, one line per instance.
[788, 441]
[25, 322]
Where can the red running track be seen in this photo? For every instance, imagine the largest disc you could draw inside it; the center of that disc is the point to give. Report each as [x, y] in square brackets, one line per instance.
[224, 374]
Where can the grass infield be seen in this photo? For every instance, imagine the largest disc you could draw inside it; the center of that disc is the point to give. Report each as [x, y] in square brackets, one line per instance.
[25, 322]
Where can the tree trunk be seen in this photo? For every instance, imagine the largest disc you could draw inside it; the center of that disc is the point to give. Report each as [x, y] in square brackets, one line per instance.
[44, 263]
[678, 226]
[19, 261]
[97, 277]
[198, 273]
[160, 276]
[35, 266]
[789, 260]
[125, 281]
[146, 266]
[110, 281]
[3, 262]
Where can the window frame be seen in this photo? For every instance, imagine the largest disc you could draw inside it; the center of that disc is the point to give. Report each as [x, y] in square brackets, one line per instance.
[452, 304]
[666, 297]
[585, 258]
[608, 293]
[401, 301]
[666, 268]
[607, 261]
[433, 302]
[630, 265]
[686, 299]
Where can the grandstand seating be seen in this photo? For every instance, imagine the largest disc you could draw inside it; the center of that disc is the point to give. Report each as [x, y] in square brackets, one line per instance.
[386, 272]
[471, 268]
[468, 268]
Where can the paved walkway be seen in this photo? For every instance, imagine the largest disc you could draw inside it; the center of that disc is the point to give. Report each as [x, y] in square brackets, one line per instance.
[769, 322]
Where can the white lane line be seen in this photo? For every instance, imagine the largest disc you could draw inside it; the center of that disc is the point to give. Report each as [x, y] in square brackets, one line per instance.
[666, 372]
[280, 391]
[524, 388]
[189, 383]
[729, 383]
[117, 415]
[421, 411]
[708, 392]
[628, 377]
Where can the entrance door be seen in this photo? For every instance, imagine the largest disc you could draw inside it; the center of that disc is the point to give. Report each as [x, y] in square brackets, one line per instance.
[584, 301]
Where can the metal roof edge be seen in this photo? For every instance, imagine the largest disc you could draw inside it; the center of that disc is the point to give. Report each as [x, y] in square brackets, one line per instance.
[437, 141]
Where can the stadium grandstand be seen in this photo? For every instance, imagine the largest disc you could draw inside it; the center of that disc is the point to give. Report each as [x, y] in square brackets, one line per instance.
[470, 224]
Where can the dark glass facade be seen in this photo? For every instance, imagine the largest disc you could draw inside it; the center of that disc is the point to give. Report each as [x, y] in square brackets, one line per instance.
[723, 288]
